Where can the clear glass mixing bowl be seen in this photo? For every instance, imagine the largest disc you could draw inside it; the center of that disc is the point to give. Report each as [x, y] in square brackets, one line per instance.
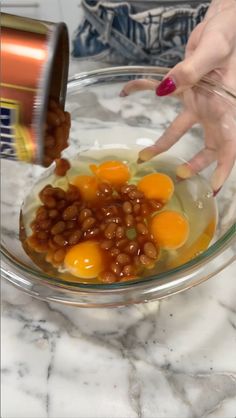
[101, 119]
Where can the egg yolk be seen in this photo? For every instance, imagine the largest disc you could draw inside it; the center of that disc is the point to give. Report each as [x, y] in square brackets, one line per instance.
[84, 260]
[156, 186]
[114, 172]
[87, 185]
[170, 229]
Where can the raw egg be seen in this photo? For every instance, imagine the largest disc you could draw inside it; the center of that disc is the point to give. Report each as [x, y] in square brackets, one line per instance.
[170, 229]
[87, 185]
[156, 186]
[84, 260]
[114, 172]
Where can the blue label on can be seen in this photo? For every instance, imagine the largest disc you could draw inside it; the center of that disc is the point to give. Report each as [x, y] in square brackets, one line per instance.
[16, 141]
[8, 119]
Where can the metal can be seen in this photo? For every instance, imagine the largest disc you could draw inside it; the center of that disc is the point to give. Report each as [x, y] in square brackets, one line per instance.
[34, 61]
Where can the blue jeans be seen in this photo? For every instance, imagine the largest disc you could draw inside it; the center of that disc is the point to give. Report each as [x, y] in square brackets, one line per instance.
[137, 32]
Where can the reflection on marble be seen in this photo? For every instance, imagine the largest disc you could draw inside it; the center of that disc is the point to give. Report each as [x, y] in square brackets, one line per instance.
[172, 359]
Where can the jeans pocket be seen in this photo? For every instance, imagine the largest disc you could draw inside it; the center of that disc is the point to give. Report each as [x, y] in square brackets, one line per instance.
[155, 36]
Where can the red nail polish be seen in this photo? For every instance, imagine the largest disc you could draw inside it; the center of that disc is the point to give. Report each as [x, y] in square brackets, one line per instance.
[216, 192]
[166, 87]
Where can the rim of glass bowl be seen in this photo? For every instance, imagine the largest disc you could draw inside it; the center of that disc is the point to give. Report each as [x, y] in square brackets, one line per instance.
[94, 77]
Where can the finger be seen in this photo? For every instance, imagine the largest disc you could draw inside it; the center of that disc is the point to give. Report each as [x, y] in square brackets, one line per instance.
[137, 85]
[224, 166]
[200, 161]
[181, 124]
[212, 49]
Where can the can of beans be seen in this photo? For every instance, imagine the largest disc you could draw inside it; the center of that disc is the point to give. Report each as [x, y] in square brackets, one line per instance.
[35, 60]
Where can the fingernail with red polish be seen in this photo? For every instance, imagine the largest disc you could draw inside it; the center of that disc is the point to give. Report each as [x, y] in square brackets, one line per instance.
[166, 87]
[216, 192]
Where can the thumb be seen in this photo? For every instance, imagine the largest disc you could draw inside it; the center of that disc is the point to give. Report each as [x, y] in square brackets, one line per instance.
[211, 51]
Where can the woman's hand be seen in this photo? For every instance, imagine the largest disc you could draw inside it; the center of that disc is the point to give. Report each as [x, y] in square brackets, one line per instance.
[210, 51]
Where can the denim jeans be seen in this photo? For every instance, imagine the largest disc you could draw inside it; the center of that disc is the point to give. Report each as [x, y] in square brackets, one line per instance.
[137, 31]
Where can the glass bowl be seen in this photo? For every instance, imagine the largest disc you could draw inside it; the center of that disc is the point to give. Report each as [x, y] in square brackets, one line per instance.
[101, 119]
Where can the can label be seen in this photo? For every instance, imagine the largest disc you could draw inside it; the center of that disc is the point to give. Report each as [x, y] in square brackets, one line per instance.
[15, 139]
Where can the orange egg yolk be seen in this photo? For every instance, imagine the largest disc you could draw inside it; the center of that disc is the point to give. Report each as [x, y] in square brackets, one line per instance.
[170, 229]
[114, 172]
[84, 260]
[156, 186]
[87, 185]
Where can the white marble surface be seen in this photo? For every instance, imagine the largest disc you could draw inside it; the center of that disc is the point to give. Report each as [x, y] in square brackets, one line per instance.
[176, 358]
[173, 359]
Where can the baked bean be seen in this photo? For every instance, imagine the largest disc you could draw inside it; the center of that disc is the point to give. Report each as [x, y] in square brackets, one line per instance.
[102, 226]
[58, 228]
[45, 225]
[123, 259]
[144, 209]
[115, 268]
[60, 240]
[132, 248]
[136, 208]
[155, 205]
[53, 213]
[32, 241]
[88, 223]
[41, 214]
[74, 237]
[91, 233]
[135, 194]
[70, 213]
[127, 207]
[72, 194]
[41, 247]
[53, 245]
[145, 260]
[110, 231]
[46, 191]
[49, 201]
[49, 141]
[120, 232]
[67, 118]
[127, 188]
[49, 256]
[47, 161]
[42, 235]
[59, 136]
[85, 213]
[105, 189]
[114, 219]
[71, 224]
[122, 243]
[106, 244]
[61, 205]
[62, 166]
[150, 250]
[110, 210]
[127, 270]
[141, 228]
[35, 226]
[53, 119]
[59, 255]
[129, 220]
[114, 252]
[59, 193]
[60, 114]
[138, 218]
[107, 277]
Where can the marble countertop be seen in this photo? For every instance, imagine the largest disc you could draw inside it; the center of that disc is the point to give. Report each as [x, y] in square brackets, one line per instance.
[172, 359]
